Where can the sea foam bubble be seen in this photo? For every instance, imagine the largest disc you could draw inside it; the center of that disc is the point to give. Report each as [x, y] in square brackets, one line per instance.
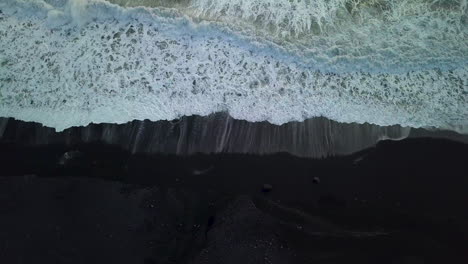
[70, 63]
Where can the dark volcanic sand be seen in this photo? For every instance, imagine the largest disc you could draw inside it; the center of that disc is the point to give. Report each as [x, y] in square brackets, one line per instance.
[401, 202]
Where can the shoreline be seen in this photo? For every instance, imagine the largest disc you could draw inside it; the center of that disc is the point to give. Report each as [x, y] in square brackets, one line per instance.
[219, 133]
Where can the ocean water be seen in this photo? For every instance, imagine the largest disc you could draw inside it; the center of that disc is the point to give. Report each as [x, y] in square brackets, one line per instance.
[67, 63]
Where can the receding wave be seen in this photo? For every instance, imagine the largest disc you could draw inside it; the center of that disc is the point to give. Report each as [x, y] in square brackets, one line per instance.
[215, 133]
[70, 63]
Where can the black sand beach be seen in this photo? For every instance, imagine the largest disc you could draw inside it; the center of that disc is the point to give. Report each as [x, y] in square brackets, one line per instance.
[233, 132]
[399, 202]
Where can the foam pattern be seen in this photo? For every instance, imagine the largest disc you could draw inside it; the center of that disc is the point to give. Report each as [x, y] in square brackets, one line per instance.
[70, 63]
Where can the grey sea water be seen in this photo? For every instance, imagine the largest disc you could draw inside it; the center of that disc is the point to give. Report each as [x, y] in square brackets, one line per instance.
[401, 64]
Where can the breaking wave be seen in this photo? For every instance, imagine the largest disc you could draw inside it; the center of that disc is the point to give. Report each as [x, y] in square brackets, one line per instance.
[385, 62]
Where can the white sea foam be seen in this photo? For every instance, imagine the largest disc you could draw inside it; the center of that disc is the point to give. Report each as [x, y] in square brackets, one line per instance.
[69, 63]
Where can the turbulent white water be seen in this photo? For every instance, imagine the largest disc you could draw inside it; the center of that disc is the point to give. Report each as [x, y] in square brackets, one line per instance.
[67, 63]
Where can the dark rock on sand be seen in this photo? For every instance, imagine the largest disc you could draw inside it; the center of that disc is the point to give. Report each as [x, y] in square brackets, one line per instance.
[70, 156]
[316, 180]
[267, 188]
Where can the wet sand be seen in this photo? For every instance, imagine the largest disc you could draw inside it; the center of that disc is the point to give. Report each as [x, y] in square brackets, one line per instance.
[399, 202]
